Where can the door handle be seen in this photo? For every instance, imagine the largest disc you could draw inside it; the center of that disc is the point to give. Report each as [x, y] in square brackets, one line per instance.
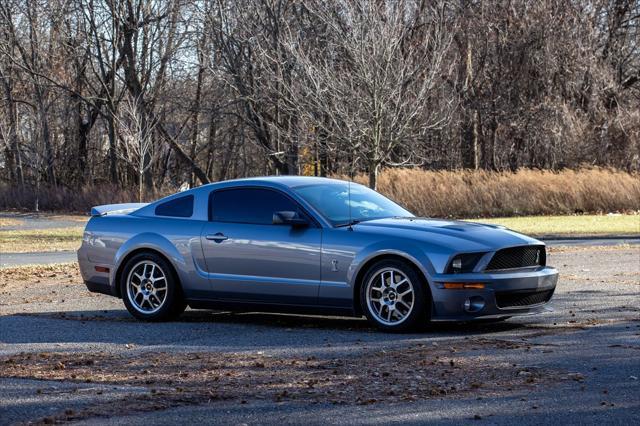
[217, 237]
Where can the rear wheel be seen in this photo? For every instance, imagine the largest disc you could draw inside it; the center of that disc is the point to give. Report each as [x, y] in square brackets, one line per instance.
[149, 288]
[393, 296]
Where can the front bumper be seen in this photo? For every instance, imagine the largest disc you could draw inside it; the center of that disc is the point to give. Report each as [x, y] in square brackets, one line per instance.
[471, 304]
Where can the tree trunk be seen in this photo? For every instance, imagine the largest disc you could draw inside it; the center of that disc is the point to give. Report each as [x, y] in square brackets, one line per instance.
[468, 147]
[374, 168]
[323, 157]
[292, 159]
[490, 160]
[183, 156]
[196, 116]
[83, 135]
[48, 148]
[148, 173]
[514, 153]
[14, 158]
[113, 146]
[478, 141]
[211, 147]
[140, 186]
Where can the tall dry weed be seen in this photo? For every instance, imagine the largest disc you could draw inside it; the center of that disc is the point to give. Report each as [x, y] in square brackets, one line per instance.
[526, 192]
[426, 193]
[62, 199]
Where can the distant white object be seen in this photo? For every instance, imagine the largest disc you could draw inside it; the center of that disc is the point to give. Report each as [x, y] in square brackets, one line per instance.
[184, 187]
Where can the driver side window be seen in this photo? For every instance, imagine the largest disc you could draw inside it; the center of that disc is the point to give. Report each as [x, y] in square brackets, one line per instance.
[248, 205]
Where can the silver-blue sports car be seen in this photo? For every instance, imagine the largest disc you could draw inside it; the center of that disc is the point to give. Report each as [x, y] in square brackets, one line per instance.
[309, 245]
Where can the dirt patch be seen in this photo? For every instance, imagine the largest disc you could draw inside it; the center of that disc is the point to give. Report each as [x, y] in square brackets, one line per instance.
[37, 284]
[414, 373]
[38, 275]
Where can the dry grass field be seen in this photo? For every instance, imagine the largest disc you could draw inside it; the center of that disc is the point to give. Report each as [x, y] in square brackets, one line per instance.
[496, 194]
[534, 202]
[457, 193]
[40, 240]
[573, 225]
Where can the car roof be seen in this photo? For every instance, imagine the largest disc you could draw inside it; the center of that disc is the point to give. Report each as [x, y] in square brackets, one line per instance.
[283, 182]
[289, 181]
[268, 181]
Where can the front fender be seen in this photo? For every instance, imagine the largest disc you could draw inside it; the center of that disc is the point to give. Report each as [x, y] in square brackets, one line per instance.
[409, 251]
[147, 240]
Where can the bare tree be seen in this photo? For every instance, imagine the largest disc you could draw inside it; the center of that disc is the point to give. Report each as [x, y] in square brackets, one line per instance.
[375, 87]
[29, 51]
[245, 87]
[136, 132]
[9, 127]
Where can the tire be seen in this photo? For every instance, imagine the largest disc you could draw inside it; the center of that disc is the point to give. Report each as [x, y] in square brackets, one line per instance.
[394, 310]
[150, 289]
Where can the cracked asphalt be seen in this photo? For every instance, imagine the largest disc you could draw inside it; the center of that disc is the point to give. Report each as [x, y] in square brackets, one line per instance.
[591, 340]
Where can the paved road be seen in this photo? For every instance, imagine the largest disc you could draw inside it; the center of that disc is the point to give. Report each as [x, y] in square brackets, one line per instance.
[37, 221]
[43, 258]
[32, 221]
[593, 333]
[580, 241]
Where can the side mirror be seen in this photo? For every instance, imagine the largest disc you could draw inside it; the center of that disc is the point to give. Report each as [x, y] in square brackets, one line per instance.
[289, 218]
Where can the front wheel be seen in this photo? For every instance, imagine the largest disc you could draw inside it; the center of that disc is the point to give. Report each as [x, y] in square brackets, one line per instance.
[394, 297]
[149, 289]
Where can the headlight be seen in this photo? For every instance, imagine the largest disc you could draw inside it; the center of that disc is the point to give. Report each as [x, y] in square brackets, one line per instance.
[457, 264]
[464, 262]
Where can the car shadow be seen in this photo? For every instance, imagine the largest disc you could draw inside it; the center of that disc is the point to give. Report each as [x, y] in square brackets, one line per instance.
[198, 326]
[225, 332]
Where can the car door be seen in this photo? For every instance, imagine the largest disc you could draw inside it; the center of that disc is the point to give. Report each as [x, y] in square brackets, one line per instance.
[248, 258]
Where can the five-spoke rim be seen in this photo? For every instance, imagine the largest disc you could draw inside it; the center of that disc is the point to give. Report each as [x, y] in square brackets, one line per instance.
[147, 287]
[390, 296]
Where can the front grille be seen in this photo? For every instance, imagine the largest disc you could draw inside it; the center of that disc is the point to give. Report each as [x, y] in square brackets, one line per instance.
[522, 298]
[517, 257]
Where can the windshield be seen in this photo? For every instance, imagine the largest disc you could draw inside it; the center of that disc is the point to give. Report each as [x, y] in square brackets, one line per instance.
[332, 201]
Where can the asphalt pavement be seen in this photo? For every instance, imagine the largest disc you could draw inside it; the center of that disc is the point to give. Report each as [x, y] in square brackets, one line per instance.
[593, 334]
[41, 258]
[29, 221]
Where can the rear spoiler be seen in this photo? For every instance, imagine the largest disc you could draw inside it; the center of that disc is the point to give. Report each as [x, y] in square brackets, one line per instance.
[116, 208]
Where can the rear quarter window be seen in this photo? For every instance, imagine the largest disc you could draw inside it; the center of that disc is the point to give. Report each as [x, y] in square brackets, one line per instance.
[178, 207]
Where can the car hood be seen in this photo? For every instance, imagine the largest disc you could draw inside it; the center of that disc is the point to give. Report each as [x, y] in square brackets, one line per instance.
[453, 234]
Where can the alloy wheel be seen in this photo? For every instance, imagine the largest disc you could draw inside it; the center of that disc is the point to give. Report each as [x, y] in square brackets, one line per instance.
[147, 287]
[390, 296]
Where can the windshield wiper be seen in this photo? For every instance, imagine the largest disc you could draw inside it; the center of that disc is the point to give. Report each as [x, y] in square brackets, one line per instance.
[353, 222]
[366, 219]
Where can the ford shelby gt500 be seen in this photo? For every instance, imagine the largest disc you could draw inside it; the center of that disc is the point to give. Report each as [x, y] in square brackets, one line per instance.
[309, 245]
